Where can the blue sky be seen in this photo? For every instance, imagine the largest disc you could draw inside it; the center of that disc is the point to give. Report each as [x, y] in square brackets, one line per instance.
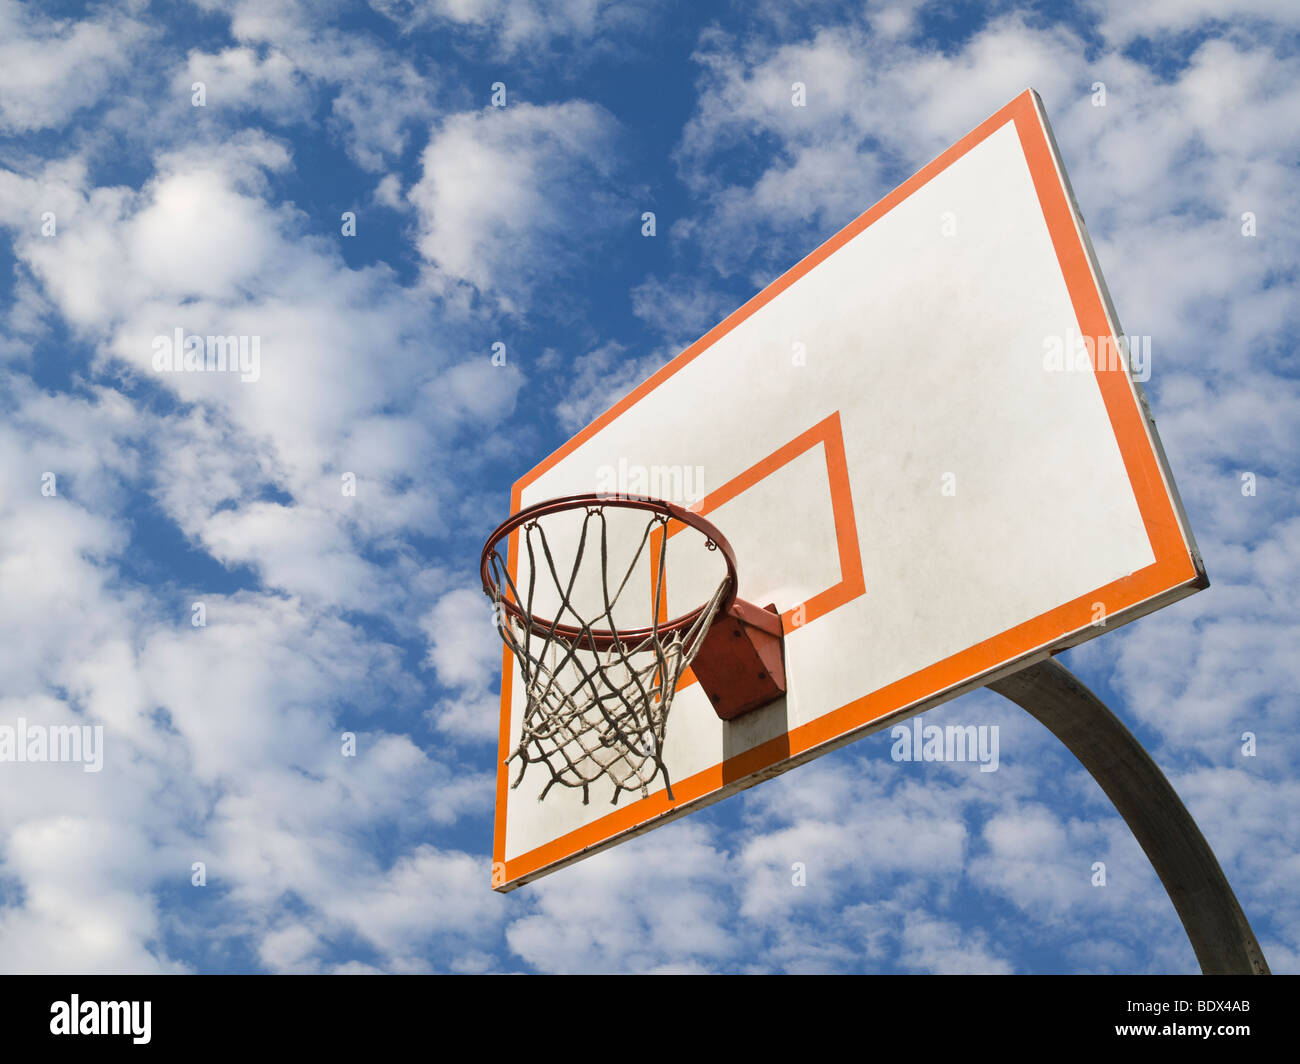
[328, 613]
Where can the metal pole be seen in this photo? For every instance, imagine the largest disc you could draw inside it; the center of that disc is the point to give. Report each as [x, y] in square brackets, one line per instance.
[1218, 929]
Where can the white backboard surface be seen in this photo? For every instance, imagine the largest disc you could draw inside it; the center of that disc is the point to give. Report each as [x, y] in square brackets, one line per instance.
[916, 457]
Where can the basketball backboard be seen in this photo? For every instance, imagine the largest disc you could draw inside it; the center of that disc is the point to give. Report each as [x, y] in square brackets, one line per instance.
[927, 450]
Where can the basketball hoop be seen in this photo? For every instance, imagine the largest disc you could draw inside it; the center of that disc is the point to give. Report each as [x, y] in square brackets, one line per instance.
[597, 693]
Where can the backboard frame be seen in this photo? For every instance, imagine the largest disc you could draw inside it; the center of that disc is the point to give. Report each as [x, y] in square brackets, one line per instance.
[1176, 572]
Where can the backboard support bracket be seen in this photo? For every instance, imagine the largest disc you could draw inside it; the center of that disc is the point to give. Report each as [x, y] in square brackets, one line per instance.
[741, 664]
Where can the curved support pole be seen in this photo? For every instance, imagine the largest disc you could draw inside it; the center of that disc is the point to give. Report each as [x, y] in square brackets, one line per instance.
[1218, 929]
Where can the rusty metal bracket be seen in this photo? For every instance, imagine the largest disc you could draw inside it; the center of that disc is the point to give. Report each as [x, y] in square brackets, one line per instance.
[741, 663]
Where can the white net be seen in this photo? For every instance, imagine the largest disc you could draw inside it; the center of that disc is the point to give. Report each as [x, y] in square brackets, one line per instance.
[595, 707]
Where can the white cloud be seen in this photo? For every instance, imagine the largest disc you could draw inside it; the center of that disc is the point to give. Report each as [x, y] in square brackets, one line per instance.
[525, 29]
[679, 307]
[508, 196]
[206, 254]
[86, 904]
[465, 652]
[941, 947]
[456, 627]
[1161, 20]
[870, 101]
[239, 77]
[289, 949]
[650, 904]
[223, 742]
[377, 99]
[50, 69]
[197, 237]
[595, 381]
[388, 193]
